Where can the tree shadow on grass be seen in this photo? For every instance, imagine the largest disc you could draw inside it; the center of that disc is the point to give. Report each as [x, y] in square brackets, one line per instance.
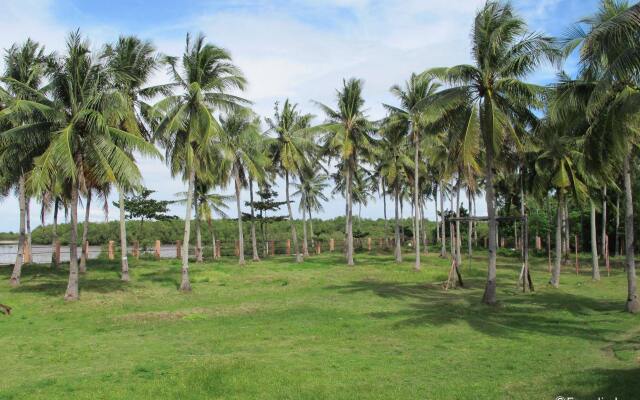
[609, 384]
[550, 313]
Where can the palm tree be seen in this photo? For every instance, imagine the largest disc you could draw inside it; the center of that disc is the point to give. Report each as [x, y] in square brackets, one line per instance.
[85, 136]
[414, 98]
[392, 165]
[131, 63]
[348, 138]
[311, 193]
[504, 52]
[289, 151]
[25, 136]
[185, 124]
[608, 48]
[242, 148]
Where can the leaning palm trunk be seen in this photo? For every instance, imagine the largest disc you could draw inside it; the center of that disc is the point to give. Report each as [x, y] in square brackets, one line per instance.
[294, 234]
[443, 234]
[350, 216]
[595, 269]
[240, 234]
[198, 232]
[633, 304]
[17, 267]
[72, 286]
[185, 285]
[555, 275]
[489, 296]
[54, 232]
[416, 206]
[85, 235]
[398, 247]
[254, 242]
[124, 263]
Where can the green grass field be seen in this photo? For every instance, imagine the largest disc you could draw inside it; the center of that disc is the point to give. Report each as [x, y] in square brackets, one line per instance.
[277, 330]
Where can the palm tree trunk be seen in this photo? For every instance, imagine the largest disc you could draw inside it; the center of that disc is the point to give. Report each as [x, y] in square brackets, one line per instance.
[437, 216]
[617, 225]
[213, 240]
[124, 263]
[311, 226]
[555, 275]
[384, 208]
[185, 284]
[28, 218]
[489, 296]
[633, 304]
[294, 233]
[398, 247]
[196, 204]
[305, 247]
[470, 228]
[595, 269]
[254, 242]
[240, 234]
[416, 206]
[72, 286]
[349, 217]
[54, 232]
[17, 267]
[458, 239]
[443, 233]
[85, 235]
[475, 224]
[604, 220]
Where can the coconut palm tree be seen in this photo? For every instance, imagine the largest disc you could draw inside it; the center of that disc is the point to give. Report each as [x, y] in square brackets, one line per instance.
[131, 63]
[185, 124]
[504, 52]
[242, 147]
[311, 193]
[84, 141]
[289, 151]
[348, 138]
[607, 46]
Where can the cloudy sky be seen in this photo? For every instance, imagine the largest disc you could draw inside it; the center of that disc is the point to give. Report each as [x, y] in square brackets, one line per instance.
[299, 50]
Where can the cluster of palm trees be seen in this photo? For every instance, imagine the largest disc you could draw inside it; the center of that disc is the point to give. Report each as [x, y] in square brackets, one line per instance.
[72, 124]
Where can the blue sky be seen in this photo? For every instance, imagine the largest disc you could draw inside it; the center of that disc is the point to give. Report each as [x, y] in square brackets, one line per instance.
[287, 49]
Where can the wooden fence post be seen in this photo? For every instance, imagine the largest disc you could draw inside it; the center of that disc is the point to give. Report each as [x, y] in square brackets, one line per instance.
[332, 245]
[110, 250]
[57, 252]
[157, 249]
[318, 249]
[369, 244]
[288, 247]
[272, 247]
[178, 249]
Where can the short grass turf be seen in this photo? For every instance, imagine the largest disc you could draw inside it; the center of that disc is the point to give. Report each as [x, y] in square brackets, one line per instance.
[317, 330]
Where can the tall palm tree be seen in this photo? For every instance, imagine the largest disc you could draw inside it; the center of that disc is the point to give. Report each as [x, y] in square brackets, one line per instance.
[131, 63]
[85, 136]
[185, 124]
[607, 45]
[504, 52]
[414, 99]
[25, 128]
[289, 151]
[311, 193]
[242, 146]
[348, 138]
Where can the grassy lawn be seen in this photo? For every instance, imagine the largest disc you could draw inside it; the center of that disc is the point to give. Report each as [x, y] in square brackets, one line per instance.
[317, 330]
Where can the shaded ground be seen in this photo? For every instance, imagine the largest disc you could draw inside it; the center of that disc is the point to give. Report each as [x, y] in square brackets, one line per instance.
[277, 329]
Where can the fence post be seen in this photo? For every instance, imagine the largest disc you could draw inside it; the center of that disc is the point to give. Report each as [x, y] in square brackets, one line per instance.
[136, 249]
[369, 244]
[288, 247]
[57, 252]
[218, 250]
[237, 249]
[157, 250]
[318, 248]
[272, 247]
[178, 249]
[332, 245]
[110, 250]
